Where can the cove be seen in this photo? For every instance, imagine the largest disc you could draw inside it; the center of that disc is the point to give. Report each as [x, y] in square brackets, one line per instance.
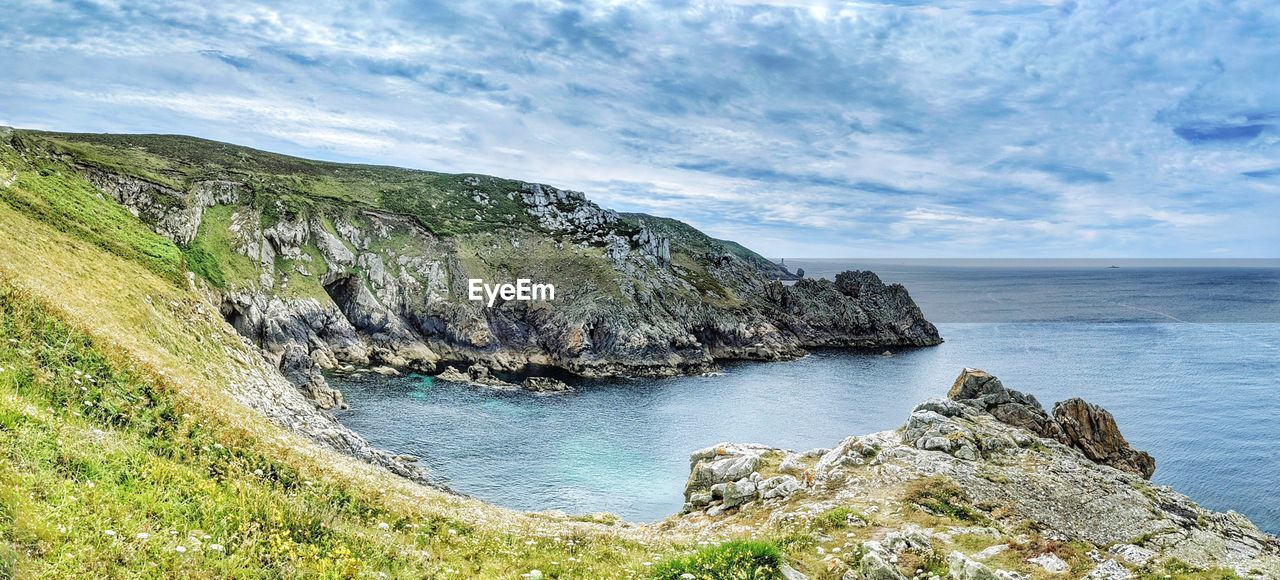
[1199, 397]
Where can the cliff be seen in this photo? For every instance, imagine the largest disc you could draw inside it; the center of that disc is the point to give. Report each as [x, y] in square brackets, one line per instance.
[983, 484]
[326, 266]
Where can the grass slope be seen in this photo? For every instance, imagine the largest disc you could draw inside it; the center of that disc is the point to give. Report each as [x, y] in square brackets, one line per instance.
[125, 453]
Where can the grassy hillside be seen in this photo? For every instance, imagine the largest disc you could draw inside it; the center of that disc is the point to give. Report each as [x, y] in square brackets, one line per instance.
[125, 453]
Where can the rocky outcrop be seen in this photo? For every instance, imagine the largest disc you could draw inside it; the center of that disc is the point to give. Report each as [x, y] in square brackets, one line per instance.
[1093, 431]
[360, 284]
[967, 494]
[1077, 423]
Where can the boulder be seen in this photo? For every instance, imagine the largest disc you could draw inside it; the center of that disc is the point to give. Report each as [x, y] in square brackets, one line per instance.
[964, 568]
[780, 486]
[1093, 431]
[545, 385]
[300, 369]
[981, 390]
[739, 492]
[720, 464]
[1051, 563]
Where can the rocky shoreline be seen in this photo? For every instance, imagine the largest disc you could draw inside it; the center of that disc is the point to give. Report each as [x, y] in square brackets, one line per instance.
[982, 484]
[321, 287]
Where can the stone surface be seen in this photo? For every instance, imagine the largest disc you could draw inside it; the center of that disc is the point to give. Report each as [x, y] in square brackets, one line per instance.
[1010, 478]
[1093, 430]
[1050, 563]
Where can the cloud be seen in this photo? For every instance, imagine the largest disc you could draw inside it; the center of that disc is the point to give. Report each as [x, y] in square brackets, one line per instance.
[821, 128]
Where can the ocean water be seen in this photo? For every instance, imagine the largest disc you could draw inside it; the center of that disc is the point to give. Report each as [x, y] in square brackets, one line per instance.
[1186, 358]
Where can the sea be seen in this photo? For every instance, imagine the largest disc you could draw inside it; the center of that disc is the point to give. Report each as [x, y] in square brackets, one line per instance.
[1185, 354]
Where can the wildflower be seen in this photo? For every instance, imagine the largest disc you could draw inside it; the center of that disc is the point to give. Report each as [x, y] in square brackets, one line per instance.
[534, 574]
[529, 542]
[258, 472]
[89, 483]
[143, 536]
[646, 564]
[180, 549]
[215, 547]
[111, 533]
[687, 576]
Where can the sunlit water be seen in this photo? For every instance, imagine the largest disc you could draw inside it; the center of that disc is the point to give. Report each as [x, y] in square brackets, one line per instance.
[1201, 397]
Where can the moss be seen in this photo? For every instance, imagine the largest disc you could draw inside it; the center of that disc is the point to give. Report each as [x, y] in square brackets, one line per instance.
[1175, 569]
[940, 495]
[738, 559]
[839, 518]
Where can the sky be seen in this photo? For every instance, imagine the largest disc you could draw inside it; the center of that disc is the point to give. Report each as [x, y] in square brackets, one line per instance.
[891, 129]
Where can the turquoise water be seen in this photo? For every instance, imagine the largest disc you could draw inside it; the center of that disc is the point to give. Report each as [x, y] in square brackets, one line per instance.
[1201, 397]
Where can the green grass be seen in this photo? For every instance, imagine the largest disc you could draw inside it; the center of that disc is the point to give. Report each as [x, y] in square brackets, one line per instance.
[940, 495]
[107, 473]
[212, 253]
[838, 518]
[441, 202]
[737, 559]
[53, 193]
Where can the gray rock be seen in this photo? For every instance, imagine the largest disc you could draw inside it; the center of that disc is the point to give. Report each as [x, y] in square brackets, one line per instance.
[1110, 570]
[739, 492]
[1051, 563]
[779, 487]
[545, 385]
[961, 567]
[1132, 554]
[875, 565]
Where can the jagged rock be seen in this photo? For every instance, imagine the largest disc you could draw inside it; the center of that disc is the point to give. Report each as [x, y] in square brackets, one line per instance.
[300, 369]
[1023, 481]
[934, 432]
[1093, 430]
[545, 385]
[720, 465]
[874, 565]
[386, 371]
[1074, 422]
[739, 492]
[779, 487]
[983, 391]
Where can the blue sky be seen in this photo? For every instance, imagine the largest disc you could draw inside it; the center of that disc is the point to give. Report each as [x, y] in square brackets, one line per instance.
[822, 129]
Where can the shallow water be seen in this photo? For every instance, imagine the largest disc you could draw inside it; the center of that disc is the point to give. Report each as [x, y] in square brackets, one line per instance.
[1202, 398]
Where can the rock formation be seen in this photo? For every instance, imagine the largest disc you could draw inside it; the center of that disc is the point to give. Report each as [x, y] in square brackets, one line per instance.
[972, 487]
[1082, 425]
[383, 280]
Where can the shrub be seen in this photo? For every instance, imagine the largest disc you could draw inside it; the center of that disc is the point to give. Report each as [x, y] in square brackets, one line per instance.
[942, 496]
[837, 518]
[738, 559]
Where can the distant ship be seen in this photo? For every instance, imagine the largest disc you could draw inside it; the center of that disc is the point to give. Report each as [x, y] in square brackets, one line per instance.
[1113, 266]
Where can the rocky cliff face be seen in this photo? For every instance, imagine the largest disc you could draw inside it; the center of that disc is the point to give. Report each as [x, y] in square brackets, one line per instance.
[381, 280]
[983, 484]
